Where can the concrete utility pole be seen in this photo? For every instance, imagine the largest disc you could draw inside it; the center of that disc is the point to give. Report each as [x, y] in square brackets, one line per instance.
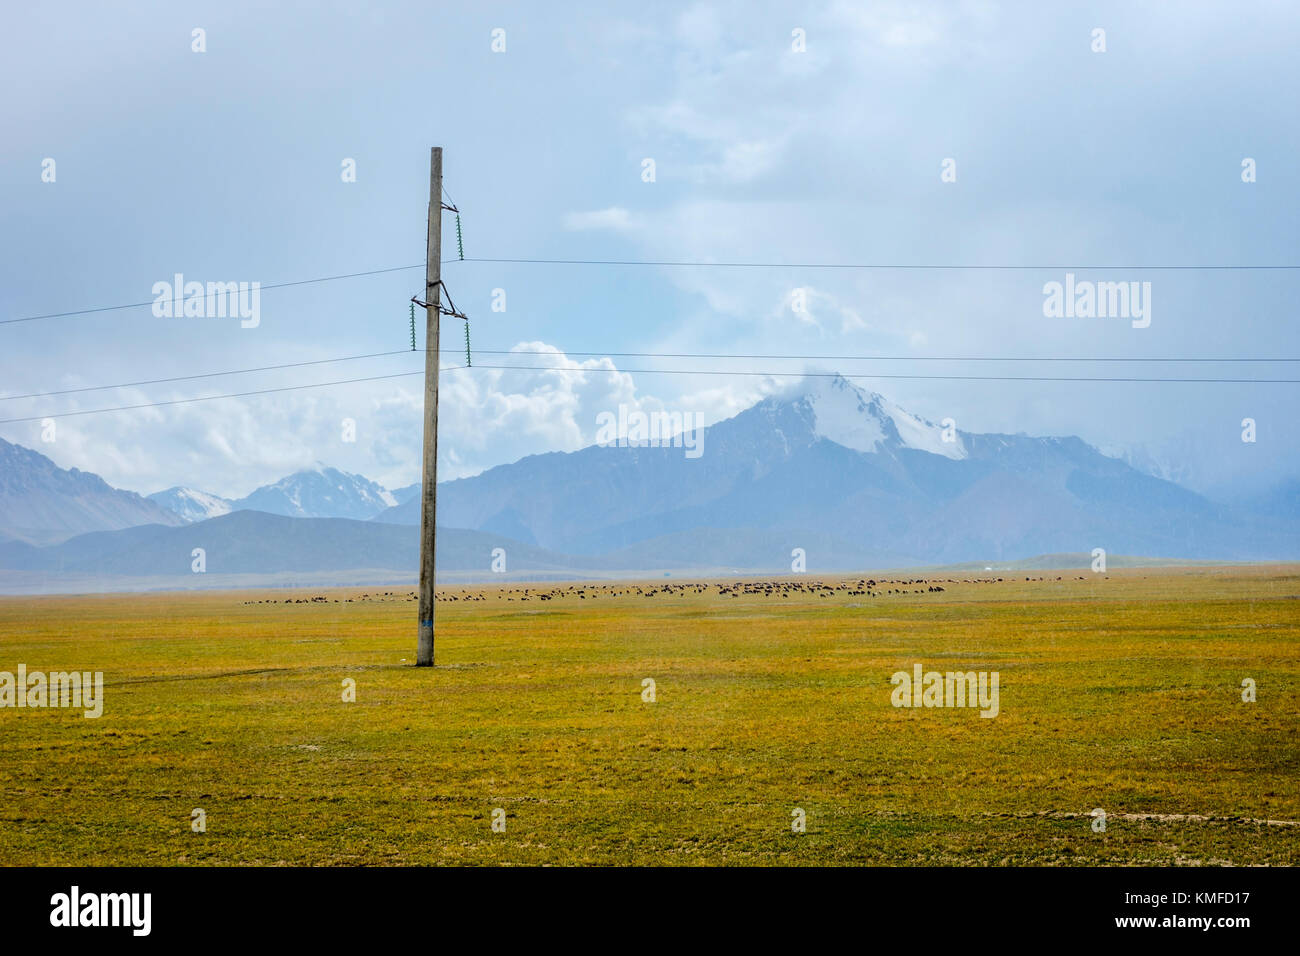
[429, 482]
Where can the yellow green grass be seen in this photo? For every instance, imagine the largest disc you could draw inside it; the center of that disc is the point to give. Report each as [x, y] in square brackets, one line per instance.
[1120, 692]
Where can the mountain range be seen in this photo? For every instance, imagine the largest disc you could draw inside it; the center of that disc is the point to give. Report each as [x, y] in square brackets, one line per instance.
[844, 474]
[890, 488]
[320, 492]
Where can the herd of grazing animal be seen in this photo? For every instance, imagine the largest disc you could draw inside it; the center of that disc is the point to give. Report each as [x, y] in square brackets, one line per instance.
[783, 589]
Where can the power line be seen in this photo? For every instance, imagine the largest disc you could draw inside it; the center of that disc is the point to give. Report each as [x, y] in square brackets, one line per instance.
[666, 371]
[188, 378]
[674, 355]
[677, 263]
[272, 285]
[213, 398]
[961, 378]
[867, 358]
[699, 355]
[869, 265]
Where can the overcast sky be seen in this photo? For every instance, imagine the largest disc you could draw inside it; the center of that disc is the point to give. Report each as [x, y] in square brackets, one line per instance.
[225, 165]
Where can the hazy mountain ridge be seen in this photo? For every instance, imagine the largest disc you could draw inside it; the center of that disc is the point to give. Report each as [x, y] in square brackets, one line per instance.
[320, 492]
[251, 541]
[903, 495]
[191, 505]
[845, 475]
[42, 503]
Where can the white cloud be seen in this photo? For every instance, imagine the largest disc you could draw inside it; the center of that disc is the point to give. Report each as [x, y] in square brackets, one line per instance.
[819, 309]
[615, 219]
[551, 403]
[487, 417]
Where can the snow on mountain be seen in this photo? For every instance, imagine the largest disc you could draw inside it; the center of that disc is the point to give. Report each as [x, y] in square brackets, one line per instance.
[320, 492]
[867, 421]
[845, 474]
[317, 492]
[191, 504]
[874, 484]
[1154, 462]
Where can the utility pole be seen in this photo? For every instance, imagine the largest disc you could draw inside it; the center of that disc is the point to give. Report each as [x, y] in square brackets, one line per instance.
[429, 482]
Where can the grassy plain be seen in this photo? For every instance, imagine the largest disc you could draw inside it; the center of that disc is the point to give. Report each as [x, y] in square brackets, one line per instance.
[1120, 692]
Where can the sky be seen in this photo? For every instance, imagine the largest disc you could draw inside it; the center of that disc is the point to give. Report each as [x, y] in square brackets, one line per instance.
[802, 135]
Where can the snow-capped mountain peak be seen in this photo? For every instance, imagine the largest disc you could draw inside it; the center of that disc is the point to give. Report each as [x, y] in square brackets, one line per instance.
[319, 492]
[191, 504]
[867, 421]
